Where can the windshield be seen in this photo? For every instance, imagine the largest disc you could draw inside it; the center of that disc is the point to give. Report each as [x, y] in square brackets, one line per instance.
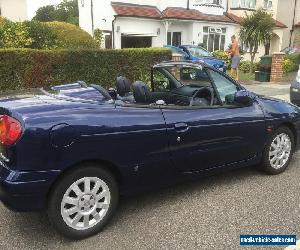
[199, 52]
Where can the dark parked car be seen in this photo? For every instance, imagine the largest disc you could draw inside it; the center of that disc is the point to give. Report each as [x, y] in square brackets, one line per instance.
[295, 90]
[73, 150]
[198, 54]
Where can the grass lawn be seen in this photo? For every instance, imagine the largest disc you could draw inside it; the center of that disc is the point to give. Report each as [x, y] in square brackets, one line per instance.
[244, 76]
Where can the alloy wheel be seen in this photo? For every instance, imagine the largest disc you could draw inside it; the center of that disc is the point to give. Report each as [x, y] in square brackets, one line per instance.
[85, 203]
[280, 151]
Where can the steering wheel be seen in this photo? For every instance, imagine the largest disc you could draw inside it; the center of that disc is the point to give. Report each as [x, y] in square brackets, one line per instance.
[205, 91]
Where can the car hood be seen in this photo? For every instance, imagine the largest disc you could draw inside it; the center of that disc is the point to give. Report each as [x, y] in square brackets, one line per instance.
[277, 107]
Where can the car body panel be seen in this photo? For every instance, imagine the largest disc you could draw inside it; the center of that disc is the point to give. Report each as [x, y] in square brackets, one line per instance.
[215, 137]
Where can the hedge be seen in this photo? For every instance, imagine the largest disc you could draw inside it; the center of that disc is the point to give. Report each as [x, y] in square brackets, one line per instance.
[27, 68]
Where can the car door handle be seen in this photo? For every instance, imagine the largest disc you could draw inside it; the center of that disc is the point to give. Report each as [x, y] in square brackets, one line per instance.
[181, 127]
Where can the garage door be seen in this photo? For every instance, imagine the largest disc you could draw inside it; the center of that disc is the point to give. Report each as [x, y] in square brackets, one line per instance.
[136, 42]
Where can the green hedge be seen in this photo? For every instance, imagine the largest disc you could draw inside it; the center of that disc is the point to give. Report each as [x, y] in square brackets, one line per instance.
[26, 68]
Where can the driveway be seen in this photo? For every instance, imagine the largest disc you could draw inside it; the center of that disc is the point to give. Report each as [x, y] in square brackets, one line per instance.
[281, 91]
[210, 213]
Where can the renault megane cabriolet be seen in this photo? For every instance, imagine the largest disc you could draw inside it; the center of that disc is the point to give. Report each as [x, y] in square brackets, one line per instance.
[73, 150]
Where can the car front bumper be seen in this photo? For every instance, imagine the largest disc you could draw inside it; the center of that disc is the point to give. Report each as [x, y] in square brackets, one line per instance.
[295, 93]
[25, 191]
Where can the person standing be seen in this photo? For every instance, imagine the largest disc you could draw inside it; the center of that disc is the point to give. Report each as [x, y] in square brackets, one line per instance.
[235, 57]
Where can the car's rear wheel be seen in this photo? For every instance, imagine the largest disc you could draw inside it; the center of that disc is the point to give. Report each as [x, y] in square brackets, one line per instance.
[278, 151]
[82, 202]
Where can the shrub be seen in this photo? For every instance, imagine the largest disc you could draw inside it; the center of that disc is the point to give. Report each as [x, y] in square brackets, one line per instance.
[70, 36]
[289, 66]
[222, 55]
[245, 66]
[15, 35]
[295, 58]
[27, 68]
[41, 35]
[98, 36]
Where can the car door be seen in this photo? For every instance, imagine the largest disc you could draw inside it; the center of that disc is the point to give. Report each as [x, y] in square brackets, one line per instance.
[139, 138]
[208, 137]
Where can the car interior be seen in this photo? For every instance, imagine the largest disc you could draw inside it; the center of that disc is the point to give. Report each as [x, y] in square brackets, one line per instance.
[178, 86]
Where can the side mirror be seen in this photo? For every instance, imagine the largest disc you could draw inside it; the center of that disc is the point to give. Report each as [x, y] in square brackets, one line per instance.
[244, 97]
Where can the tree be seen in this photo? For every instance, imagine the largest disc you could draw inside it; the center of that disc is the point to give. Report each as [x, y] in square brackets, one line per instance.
[98, 36]
[67, 11]
[45, 14]
[256, 30]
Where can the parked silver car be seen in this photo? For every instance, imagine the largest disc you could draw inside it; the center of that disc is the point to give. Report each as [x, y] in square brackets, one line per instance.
[295, 90]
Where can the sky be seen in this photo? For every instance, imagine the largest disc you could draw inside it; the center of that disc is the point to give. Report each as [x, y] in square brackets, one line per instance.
[34, 5]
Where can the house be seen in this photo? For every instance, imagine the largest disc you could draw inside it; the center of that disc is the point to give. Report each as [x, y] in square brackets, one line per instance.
[14, 10]
[211, 23]
[296, 33]
[132, 23]
[285, 13]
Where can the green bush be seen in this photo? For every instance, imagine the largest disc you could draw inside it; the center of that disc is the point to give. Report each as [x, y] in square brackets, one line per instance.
[14, 35]
[38, 35]
[289, 66]
[223, 56]
[70, 36]
[295, 58]
[245, 66]
[42, 36]
[27, 68]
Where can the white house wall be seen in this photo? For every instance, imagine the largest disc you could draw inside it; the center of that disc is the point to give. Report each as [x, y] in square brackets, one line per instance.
[14, 10]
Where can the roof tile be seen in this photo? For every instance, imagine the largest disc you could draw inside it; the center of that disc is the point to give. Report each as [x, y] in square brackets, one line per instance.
[182, 13]
[134, 10]
[238, 19]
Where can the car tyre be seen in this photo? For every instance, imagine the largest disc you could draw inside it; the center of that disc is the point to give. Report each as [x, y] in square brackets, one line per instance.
[278, 151]
[83, 201]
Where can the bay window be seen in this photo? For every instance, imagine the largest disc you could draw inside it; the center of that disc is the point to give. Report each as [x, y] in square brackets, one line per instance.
[268, 4]
[214, 38]
[244, 4]
[215, 2]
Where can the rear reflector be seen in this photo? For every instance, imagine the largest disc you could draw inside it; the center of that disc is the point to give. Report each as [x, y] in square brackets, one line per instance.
[10, 130]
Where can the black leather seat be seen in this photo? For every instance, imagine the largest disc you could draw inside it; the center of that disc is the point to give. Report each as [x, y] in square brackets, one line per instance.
[123, 90]
[142, 93]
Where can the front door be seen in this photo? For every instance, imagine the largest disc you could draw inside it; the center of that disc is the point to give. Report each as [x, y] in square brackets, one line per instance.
[217, 135]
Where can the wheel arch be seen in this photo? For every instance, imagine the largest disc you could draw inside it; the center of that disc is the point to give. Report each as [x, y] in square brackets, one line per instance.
[292, 127]
[108, 166]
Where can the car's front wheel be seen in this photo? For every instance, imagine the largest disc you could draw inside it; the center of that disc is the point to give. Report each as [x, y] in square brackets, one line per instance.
[82, 202]
[278, 151]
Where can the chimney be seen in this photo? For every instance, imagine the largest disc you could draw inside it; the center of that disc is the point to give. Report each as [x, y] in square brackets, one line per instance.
[188, 5]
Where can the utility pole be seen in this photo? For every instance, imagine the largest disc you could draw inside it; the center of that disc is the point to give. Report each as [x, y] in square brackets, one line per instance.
[293, 24]
[92, 16]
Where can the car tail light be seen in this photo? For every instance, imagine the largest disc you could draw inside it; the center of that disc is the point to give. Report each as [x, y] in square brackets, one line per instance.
[10, 130]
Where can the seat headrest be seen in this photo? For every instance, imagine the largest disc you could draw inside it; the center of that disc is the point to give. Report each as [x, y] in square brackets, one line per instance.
[141, 92]
[122, 85]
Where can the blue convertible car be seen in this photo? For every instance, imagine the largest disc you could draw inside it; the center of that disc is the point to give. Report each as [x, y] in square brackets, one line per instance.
[73, 150]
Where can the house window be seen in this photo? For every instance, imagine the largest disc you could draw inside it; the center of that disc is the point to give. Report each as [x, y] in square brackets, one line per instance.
[214, 38]
[268, 4]
[215, 2]
[245, 4]
[174, 38]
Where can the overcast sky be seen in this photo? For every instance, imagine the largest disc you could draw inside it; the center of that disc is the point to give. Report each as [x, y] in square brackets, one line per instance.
[33, 5]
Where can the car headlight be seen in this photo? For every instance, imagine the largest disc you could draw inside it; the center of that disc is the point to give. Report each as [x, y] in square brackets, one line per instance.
[295, 90]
